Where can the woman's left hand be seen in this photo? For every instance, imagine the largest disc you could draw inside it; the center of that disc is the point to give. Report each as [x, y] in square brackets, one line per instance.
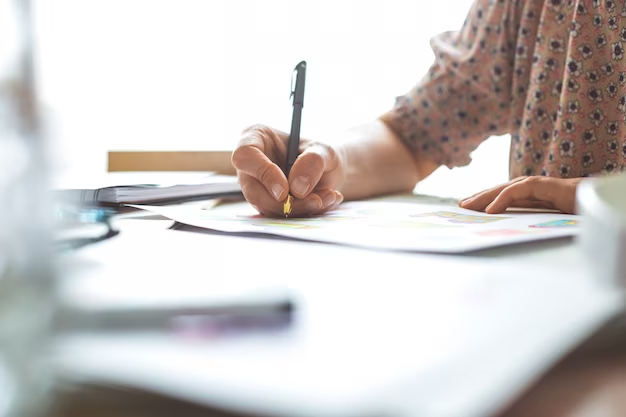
[527, 192]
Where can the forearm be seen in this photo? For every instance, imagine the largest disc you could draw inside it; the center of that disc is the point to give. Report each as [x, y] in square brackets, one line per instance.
[376, 162]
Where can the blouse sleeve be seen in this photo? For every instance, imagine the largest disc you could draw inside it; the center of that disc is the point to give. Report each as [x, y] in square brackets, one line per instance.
[465, 96]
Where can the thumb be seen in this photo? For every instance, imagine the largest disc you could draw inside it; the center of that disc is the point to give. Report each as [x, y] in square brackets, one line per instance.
[309, 168]
[250, 160]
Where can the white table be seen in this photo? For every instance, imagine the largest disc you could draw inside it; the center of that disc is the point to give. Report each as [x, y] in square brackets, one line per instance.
[376, 333]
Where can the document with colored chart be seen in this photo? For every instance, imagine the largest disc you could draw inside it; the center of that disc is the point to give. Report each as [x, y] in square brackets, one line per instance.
[404, 226]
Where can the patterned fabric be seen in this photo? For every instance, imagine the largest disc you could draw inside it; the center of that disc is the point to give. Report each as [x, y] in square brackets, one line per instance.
[552, 73]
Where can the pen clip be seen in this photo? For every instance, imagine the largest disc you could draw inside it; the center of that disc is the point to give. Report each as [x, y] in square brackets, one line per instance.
[294, 80]
[293, 83]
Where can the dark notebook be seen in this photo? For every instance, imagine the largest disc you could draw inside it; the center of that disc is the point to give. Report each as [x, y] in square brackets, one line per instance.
[117, 189]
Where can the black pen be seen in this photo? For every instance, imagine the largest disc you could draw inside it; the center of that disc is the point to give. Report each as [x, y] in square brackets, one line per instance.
[293, 146]
[274, 310]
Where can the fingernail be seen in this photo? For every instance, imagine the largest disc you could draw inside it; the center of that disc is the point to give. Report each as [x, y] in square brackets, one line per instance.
[301, 185]
[277, 191]
[465, 201]
[328, 200]
[488, 207]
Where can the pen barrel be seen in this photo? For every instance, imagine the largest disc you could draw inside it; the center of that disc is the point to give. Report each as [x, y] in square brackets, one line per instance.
[293, 146]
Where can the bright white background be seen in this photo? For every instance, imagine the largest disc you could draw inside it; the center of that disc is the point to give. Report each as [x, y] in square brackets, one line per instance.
[191, 74]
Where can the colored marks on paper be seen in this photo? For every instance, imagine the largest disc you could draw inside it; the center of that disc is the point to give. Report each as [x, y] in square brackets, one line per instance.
[556, 223]
[459, 218]
[284, 225]
[262, 221]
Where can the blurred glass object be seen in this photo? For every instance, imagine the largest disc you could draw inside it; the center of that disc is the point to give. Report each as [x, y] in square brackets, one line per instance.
[26, 265]
[602, 202]
[78, 226]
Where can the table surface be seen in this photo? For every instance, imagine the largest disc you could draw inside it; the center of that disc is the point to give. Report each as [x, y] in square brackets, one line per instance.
[589, 382]
[582, 385]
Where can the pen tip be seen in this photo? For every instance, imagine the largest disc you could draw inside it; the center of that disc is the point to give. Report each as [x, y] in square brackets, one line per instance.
[287, 205]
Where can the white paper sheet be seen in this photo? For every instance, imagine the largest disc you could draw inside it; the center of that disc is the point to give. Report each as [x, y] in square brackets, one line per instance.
[387, 225]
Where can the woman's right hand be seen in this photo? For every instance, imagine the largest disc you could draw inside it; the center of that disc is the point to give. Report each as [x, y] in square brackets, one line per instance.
[314, 180]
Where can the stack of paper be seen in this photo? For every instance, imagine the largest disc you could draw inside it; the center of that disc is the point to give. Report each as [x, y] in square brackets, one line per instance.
[146, 187]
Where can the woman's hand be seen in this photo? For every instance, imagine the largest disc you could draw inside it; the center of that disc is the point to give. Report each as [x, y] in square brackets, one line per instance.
[527, 192]
[313, 181]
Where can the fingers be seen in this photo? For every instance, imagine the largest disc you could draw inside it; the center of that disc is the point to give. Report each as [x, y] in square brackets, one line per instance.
[317, 202]
[338, 201]
[556, 193]
[519, 191]
[251, 159]
[309, 168]
[266, 204]
[330, 200]
[481, 200]
[528, 192]
[312, 179]
[521, 205]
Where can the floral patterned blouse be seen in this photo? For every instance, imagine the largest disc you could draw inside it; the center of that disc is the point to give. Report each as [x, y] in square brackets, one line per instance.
[551, 73]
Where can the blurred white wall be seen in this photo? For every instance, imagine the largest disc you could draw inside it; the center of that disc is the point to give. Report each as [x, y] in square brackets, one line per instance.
[191, 74]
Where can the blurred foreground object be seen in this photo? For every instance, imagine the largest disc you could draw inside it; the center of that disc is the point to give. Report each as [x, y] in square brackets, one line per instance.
[26, 272]
[602, 202]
